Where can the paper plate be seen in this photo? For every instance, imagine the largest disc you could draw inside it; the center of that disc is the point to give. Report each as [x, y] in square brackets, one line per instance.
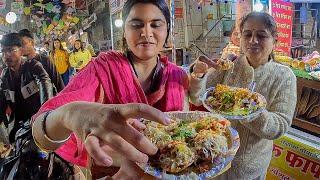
[229, 115]
[221, 162]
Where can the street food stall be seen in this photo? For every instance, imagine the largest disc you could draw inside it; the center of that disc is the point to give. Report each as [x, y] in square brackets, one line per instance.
[296, 155]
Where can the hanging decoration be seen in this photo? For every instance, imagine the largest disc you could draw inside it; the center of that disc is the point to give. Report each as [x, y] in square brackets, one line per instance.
[2, 4]
[42, 6]
[69, 3]
[17, 7]
[27, 10]
[52, 18]
[56, 9]
[49, 7]
[3, 21]
[70, 10]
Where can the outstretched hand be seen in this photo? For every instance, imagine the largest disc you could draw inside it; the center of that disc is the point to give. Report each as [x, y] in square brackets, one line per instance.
[115, 126]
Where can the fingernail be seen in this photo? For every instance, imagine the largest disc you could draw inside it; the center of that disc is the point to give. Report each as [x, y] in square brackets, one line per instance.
[143, 126]
[168, 120]
[144, 159]
[154, 149]
[107, 162]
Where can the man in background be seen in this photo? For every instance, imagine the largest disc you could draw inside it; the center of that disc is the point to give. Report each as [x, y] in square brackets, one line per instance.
[28, 50]
[46, 49]
[24, 85]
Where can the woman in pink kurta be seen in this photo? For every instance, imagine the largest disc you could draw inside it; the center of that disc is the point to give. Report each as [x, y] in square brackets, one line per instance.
[85, 108]
[110, 79]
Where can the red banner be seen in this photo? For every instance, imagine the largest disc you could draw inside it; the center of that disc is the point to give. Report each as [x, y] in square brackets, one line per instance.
[178, 12]
[282, 12]
[178, 9]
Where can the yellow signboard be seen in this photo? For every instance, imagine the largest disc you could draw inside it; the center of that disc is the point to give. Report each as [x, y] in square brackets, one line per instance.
[293, 159]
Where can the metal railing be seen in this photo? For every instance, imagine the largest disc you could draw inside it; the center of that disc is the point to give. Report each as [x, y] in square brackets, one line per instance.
[214, 26]
[212, 41]
[210, 44]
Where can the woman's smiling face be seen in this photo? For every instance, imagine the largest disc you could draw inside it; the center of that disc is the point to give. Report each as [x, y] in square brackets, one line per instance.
[77, 45]
[145, 31]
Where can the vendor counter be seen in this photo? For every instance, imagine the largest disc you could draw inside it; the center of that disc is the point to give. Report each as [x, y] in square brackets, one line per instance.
[307, 116]
[296, 155]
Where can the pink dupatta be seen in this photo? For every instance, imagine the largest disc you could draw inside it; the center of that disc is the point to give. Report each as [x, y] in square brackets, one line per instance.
[111, 75]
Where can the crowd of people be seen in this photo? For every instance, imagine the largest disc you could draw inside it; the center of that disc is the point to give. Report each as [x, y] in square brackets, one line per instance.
[91, 119]
[29, 78]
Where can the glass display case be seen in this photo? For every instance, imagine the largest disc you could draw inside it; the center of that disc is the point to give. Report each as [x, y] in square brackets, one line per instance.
[307, 116]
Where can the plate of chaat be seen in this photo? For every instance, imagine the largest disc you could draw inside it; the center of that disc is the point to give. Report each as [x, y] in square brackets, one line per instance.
[234, 103]
[197, 145]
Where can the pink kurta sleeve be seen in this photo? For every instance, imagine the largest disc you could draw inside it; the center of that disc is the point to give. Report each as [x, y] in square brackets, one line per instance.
[82, 87]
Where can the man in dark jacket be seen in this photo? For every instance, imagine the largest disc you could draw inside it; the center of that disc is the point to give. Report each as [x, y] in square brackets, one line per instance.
[28, 50]
[24, 84]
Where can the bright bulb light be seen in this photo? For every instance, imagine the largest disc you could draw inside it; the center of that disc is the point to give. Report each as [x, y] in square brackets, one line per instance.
[1, 36]
[118, 23]
[11, 17]
[258, 7]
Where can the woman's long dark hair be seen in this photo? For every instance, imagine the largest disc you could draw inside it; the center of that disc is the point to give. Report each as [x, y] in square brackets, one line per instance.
[54, 48]
[74, 47]
[161, 4]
